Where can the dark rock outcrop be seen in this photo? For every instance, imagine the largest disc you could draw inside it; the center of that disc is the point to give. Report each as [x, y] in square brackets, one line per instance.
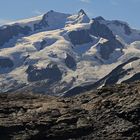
[111, 113]
[40, 45]
[109, 47]
[100, 30]
[6, 63]
[51, 72]
[7, 32]
[80, 37]
[43, 43]
[125, 26]
[42, 24]
[135, 77]
[127, 29]
[70, 62]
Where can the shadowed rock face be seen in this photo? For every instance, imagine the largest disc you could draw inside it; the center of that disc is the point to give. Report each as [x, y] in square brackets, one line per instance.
[118, 73]
[6, 63]
[135, 77]
[80, 37]
[9, 31]
[111, 113]
[42, 43]
[42, 24]
[126, 27]
[100, 30]
[70, 62]
[108, 47]
[51, 72]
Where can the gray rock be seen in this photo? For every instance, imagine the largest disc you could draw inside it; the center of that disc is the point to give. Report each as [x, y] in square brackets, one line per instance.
[42, 24]
[109, 47]
[100, 30]
[10, 31]
[6, 63]
[80, 37]
[51, 72]
[127, 29]
[70, 62]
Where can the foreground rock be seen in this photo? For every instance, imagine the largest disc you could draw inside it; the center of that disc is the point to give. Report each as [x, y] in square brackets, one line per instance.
[111, 113]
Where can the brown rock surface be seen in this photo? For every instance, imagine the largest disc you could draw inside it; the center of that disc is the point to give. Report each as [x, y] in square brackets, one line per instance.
[111, 113]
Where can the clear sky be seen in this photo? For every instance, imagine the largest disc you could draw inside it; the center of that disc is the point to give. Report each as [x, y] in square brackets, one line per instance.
[127, 10]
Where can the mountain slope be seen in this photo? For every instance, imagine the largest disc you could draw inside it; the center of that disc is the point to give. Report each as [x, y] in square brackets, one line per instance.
[56, 52]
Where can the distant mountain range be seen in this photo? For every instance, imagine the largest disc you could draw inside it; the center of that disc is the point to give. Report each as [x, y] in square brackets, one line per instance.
[63, 54]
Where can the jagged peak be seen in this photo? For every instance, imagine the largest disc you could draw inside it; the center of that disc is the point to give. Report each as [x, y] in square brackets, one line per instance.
[82, 12]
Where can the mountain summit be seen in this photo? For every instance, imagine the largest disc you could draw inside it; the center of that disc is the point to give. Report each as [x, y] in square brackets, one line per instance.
[57, 53]
[82, 12]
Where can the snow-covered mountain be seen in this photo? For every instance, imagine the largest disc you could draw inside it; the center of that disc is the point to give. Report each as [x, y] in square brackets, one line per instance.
[56, 52]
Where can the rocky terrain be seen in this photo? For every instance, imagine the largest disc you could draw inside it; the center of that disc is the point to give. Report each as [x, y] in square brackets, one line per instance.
[110, 113]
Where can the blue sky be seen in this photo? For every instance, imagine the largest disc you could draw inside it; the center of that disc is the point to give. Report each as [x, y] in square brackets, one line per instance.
[127, 10]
